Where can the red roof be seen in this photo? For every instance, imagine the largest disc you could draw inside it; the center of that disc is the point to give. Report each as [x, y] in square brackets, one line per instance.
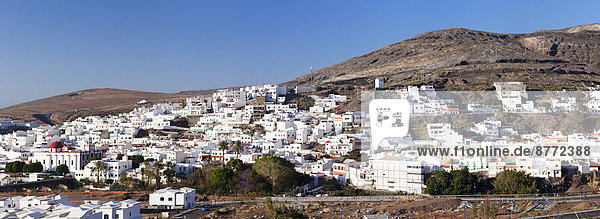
[57, 144]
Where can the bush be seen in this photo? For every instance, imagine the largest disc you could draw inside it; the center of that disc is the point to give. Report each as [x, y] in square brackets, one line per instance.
[516, 182]
[62, 169]
[457, 182]
[281, 173]
[14, 167]
[439, 183]
[305, 103]
[220, 179]
[236, 165]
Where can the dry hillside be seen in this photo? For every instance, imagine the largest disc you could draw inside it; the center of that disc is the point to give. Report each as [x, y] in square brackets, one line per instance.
[80, 103]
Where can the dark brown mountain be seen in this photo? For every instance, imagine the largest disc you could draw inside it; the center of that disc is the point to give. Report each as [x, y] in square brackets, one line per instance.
[465, 59]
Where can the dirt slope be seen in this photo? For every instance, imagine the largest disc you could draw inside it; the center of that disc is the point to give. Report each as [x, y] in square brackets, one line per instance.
[85, 102]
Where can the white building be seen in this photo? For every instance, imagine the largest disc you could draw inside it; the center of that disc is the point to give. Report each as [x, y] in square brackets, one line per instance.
[378, 83]
[167, 198]
[59, 206]
[128, 209]
[74, 159]
[399, 174]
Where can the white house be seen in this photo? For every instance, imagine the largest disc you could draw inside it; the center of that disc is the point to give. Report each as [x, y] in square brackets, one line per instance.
[128, 209]
[167, 198]
[378, 83]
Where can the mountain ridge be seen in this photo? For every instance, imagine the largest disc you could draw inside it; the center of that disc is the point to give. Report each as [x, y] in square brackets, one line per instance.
[463, 57]
[456, 58]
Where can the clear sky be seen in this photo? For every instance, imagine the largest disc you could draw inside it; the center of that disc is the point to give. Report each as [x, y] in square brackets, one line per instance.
[54, 47]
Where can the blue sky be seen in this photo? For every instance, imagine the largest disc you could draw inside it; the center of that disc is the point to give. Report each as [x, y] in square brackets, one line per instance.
[54, 47]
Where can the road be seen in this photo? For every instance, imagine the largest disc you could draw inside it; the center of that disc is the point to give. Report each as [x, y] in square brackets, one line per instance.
[532, 198]
[347, 198]
[305, 200]
[420, 197]
[594, 213]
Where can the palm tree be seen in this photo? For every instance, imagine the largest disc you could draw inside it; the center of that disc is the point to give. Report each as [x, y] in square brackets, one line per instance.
[98, 168]
[158, 166]
[238, 148]
[143, 172]
[223, 146]
[149, 172]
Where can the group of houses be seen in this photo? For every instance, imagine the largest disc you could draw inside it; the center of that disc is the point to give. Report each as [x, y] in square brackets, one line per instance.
[257, 121]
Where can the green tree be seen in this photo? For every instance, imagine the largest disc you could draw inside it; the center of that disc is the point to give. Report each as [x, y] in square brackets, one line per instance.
[27, 169]
[200, 179]
[158, 167]
[33, 168]
[143, 173]
[463, 182]
[169, 172]
[14, 167]
[250, 182]
[119, 156]
[439, 183]
[220, 179]
[62, 169]
[236, 165]
[280, 172]
[169, 175]
[516, 182]
[8, 168]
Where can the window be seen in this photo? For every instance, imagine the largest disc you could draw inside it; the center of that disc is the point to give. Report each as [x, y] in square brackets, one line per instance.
[170, 199]
[162, 198]
[106, 216]
[116, 216]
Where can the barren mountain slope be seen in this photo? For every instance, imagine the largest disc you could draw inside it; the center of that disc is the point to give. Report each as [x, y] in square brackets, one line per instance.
[467, 58]
[66, 106]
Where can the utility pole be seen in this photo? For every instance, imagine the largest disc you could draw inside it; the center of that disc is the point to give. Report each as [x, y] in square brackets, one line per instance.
[556, 201]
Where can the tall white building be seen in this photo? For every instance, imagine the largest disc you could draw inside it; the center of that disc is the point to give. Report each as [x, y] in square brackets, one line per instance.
[399, 174]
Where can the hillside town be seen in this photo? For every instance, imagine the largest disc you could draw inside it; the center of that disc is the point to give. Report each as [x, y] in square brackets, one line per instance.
[310, 131]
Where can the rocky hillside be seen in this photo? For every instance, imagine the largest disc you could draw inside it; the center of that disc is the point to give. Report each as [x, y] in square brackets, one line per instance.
[82, 103]
[469, 59]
